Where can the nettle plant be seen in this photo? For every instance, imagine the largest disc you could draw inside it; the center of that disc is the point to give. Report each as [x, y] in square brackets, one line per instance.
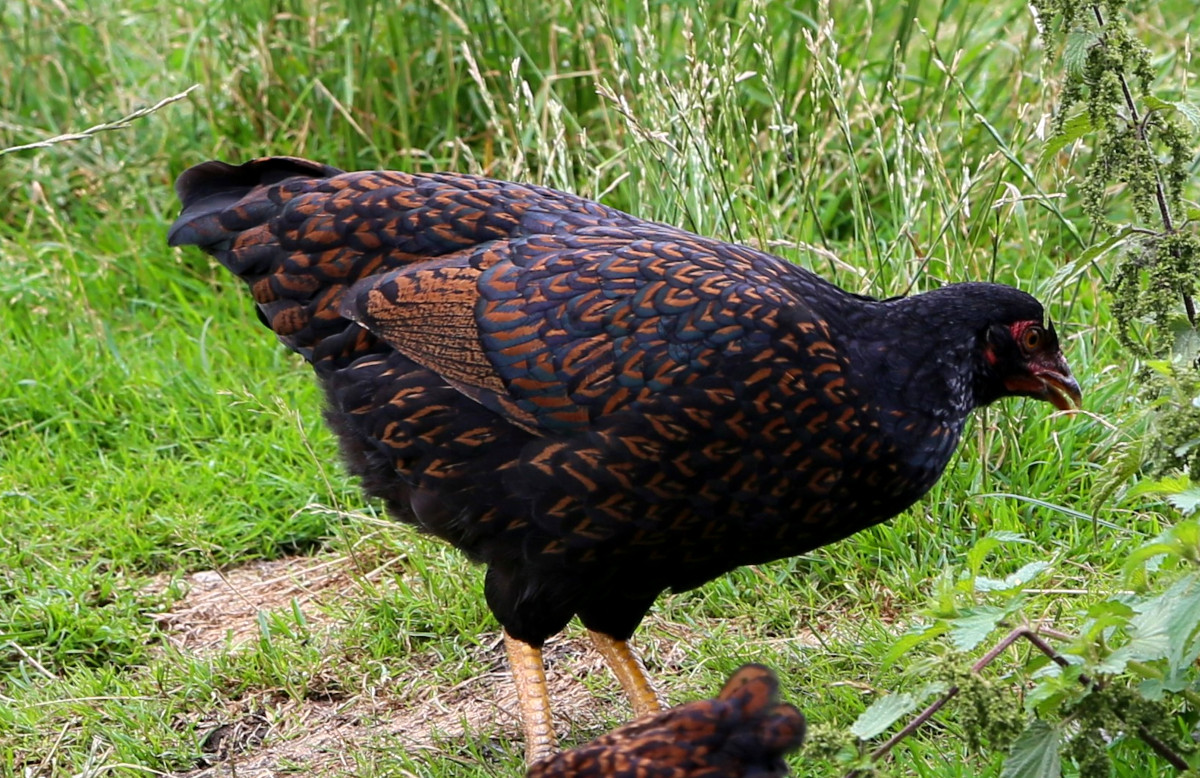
[1142, 149]
[1121, 692]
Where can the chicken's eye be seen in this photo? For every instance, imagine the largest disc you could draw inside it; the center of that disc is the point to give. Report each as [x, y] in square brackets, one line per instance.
[1031, 338]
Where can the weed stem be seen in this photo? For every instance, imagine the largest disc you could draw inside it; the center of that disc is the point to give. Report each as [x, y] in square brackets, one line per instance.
[1160, 195]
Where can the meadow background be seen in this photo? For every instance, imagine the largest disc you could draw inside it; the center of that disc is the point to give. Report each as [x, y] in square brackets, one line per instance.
[150, 429]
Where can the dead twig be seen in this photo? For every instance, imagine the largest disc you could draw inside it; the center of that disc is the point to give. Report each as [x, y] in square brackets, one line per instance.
[119, 124]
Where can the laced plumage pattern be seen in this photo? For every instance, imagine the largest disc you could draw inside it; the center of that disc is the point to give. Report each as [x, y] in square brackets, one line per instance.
[596, 407]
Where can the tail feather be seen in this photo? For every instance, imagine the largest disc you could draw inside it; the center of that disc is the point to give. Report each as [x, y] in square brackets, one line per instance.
[238, 214]
[210, 188]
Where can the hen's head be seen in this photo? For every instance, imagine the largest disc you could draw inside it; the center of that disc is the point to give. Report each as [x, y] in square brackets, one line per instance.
[966, 345]
[1023, 358]
[1014, 344]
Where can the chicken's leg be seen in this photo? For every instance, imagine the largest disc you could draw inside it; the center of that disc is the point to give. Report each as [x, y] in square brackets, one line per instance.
[630, 673]
[529, 675]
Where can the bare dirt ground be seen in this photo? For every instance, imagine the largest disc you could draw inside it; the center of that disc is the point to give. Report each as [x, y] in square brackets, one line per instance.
[323, 738]
[224, 605]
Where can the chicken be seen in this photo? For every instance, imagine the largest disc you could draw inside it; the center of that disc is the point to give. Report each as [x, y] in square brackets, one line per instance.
[745, 731]
[599, 408]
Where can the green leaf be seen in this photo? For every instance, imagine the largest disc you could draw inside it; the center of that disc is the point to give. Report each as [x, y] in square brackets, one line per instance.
[1068, 273]
[970, 629]
[1027, 573]
[1014, 581]
[1110, 612]
[1054, 688]
[979, 551]
[1034, 754]
[987, 544]
[1167, 485]
[1173, 682]
[1160, 366]
[1161, 629]
[1190, 111]
[1046, 696]
[1179, 542]
[1103, 617]
[1183, 603]
[1076, 47]
[1186, 345]
[1187, 110]
[1183, 448]
[1151, 552]
[1186, 501]
[1096, 250]
[882, 714]
[985, 584]
[1186, 535]
[914, 637]
[1073, 129]
[1157, 103]
[885, 711]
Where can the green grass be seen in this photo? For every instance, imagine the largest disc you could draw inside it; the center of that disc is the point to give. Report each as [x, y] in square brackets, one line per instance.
[150, 427]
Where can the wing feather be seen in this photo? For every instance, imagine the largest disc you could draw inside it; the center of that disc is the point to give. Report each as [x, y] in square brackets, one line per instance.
[557, 329]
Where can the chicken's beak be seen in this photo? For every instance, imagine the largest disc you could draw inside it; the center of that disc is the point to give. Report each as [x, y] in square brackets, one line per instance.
[1048, 379]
